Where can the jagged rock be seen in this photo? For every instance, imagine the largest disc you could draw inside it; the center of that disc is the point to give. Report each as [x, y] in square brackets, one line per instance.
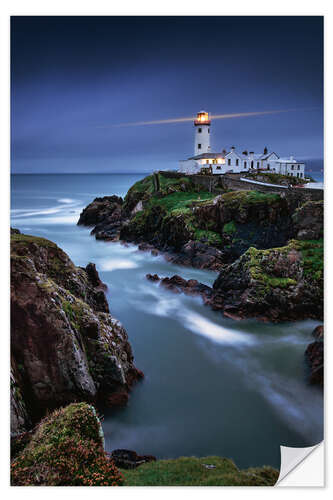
[128, 459]
[178, 284]
[65, 344]
[277, 284]
[315, 356]
[308, 220]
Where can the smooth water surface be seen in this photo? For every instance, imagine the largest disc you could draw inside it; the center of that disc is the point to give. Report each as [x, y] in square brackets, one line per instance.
[212, 386]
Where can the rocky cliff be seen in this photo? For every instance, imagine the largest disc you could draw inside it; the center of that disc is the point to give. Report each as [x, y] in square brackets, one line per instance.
[65, 345]
[267, 247]
[279, 284]
[192, 226]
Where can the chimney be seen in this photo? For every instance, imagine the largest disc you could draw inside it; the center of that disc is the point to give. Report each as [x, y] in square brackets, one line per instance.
[245, 152]
[232, 148]
[265, 151]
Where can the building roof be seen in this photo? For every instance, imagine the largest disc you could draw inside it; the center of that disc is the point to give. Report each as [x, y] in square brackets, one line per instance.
[288, 160]
[206, 155]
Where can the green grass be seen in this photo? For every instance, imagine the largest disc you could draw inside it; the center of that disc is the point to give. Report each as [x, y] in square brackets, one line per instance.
[229, 227]
[313, 257]
[179, 200]
[211, 237]
[191, 471]
[27, 238]
[249, 197]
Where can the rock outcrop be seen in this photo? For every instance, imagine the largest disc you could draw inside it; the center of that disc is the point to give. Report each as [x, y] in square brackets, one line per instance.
[65, 345]
[315, 356]
[105, 214]
[308, 221]
[65, 449]
[177, 284]
[278, 284]
[128, 459]
[189, 225]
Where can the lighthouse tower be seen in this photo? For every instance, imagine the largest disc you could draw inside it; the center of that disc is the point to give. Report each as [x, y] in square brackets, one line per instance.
[202, 133]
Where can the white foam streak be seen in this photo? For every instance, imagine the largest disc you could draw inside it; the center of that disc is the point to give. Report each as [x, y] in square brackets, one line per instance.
[203, 326]
[113, 264]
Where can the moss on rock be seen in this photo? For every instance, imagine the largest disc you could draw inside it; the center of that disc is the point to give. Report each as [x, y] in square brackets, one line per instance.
[66, 449]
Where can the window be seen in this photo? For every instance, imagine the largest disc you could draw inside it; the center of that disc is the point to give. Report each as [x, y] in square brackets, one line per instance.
[237, 161]
[292, 167]
[297, 174]
[229, 161]
[298, 167]
[199, 130]
[218, 167]
[199, 146]
[244, 164]
[252, 164]
[208, 130]
[268, 166]
[207, 161]
[258, 164]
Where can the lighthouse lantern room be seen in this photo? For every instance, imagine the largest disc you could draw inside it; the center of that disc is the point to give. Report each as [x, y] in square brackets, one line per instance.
[202, 133]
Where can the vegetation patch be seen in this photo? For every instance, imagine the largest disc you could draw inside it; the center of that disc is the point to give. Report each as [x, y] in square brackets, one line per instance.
[312, 257]
[274, 178]
[229, 227]
[249, 197]
[192, 471]
[66, 449]
[211, 237]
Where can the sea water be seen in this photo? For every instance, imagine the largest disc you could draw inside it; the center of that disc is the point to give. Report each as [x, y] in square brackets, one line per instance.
[212, 386]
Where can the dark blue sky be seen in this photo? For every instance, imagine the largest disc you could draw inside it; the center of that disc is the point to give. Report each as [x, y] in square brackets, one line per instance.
[74, 78]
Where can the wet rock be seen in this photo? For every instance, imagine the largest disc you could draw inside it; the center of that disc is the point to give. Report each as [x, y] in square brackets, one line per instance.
[65, 345]
[177, 284]
[277, 284]
[308, 220]
[314, 355]
[128, 459]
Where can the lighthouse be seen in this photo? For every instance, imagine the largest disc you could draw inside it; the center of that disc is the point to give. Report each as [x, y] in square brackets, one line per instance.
[202, 133]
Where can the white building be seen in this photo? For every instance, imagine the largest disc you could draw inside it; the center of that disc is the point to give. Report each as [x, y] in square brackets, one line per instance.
[204, 161]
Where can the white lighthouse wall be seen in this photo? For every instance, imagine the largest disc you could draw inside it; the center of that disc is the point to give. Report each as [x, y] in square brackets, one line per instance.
[201, 138]
[189, 167]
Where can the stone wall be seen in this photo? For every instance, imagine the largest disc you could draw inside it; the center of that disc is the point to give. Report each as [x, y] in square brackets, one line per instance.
[215, 183]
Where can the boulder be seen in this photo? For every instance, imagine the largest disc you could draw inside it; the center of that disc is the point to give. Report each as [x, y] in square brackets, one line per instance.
[65, 345]
[314, 355]
[128, 459]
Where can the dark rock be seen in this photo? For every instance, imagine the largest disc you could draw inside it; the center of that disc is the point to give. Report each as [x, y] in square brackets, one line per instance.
[308, 220]
[94, 276]
[13, 230]
[128, 459]
[153, 277]
[271, 284]
[314, 355]
[65, 345]
[177, 284]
